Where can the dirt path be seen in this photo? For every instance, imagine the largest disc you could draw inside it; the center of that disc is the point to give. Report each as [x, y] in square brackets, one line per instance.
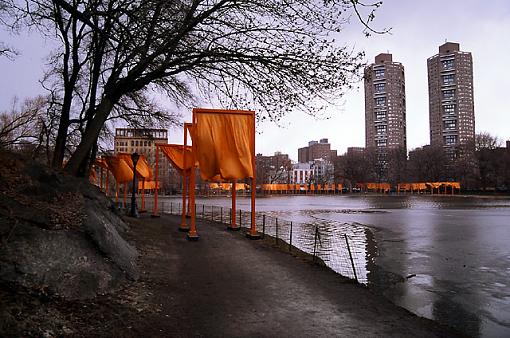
[224, 285]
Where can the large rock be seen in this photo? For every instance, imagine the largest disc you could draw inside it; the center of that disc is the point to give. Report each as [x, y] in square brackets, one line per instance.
[64, 263]
[59, 234]
[102, 224]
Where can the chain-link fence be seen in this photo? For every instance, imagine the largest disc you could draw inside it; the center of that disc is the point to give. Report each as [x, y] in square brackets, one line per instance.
[340, 248]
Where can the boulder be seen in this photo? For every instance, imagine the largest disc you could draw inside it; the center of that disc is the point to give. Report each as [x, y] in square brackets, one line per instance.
[59, 235]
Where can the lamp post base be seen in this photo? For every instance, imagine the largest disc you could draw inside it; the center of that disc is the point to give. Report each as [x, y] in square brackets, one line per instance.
[133, 213]
[231, 228]
[155, 215]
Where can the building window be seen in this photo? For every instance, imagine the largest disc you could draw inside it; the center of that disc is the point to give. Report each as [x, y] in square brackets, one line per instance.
[448, 79]
[380, 101]
[449, 109]
[380, 143]
[132, 143]
[448, 94]
[379, 87]
[380, 130]
[450, 124]
[379, 73]
[450, 140]
[380, 115]
[447, 64]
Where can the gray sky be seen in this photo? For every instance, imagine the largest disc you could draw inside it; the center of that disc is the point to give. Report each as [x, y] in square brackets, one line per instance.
[418, 28]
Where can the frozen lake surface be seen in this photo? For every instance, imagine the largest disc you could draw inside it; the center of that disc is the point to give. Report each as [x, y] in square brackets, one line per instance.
[442, 257]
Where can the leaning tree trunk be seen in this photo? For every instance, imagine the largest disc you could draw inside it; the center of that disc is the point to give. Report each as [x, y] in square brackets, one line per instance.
[61, 140]
[80, 156]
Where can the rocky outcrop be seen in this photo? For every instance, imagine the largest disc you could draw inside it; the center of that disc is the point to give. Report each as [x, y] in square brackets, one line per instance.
[59, 235]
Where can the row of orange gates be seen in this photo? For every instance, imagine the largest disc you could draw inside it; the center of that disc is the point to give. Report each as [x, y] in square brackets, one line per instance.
[421, 187]
[425, 187]
[223, 149]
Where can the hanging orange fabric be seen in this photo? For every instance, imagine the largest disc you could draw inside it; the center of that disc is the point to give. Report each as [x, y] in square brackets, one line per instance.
[142, 166]
[148, 185]
[223, 145]
[173, 152]
[101, 162]
[93, 176]
[119, 168]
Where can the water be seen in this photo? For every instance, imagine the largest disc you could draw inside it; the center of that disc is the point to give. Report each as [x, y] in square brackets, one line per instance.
[442, 257]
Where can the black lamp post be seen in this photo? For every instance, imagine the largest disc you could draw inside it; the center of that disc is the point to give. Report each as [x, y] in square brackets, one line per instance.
[134, 211]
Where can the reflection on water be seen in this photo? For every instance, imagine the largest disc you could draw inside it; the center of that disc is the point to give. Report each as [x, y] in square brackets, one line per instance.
[442, 257]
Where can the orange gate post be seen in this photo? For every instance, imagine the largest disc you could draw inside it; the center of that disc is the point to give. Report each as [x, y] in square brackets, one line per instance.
[192, 233]
[155, 212]
[101, 179]
[142, 207]
[183, 226]
[252, 233]
[125, 194]
[233, 223]
[116, 194]
[107, 183]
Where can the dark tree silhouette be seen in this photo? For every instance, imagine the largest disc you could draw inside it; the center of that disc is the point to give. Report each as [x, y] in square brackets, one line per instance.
[270, 55]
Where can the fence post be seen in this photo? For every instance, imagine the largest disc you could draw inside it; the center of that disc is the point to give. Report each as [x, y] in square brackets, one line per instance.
[290, 239]
[263, 225]
[240, 218]
[315, 241]
[350, 256]
[221, 214]
[203, 211]
[277, 230]
[230, 216]
[171, 208]
[212, 213]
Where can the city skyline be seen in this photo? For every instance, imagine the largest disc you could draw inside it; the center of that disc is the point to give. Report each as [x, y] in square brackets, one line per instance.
[418, 28]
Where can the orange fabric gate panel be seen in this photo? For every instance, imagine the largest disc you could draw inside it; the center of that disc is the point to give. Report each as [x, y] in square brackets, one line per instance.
[93, 176]
[142, 166]
[173, 153]
[224, 145]
[101, 162]
[119, 168]
[148, 185]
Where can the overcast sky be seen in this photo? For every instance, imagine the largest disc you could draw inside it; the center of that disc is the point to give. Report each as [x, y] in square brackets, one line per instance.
[418, 28]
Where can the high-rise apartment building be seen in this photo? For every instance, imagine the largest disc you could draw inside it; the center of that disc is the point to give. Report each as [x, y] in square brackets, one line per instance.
[385, 104]
[451, 108]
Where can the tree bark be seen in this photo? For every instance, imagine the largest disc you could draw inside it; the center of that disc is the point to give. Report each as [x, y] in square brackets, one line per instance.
[90, 136]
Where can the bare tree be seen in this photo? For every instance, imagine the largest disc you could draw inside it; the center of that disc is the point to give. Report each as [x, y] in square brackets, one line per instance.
[5, 51]
[18, 125]
[397, 165]
[427, 164]
[271, 55]
[488, 159]
[355, 167]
